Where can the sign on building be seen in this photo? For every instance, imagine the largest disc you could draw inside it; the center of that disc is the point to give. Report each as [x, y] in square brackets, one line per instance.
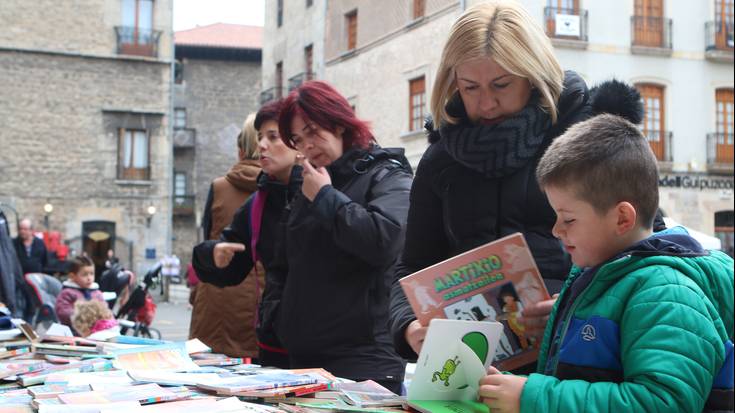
[567, 25]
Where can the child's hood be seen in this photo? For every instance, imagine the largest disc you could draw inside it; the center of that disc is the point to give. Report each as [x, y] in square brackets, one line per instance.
[72, 284]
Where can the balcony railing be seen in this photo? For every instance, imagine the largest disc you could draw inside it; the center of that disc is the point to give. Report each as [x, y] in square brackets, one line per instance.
[660, 142]
[136, 41]
[270, 94]
[720, 150]
[567, 24]
[718, 36]
[298, 80]
[184, 137]
[183, 204]
[651, 32]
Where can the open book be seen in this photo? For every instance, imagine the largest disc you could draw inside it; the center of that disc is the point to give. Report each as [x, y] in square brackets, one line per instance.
[453, 359]
[493, 282]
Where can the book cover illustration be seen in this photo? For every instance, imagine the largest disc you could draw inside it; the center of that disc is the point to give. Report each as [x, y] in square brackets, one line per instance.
[454, 357]
[492, 282]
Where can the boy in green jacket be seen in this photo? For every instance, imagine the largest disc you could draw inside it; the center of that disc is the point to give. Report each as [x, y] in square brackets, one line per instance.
[644, 322]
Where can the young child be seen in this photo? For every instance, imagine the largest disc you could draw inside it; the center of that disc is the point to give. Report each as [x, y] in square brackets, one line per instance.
[79, 286]
[92, 316]
[644, 322]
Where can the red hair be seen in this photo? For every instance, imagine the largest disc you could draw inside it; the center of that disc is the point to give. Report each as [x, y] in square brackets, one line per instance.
[318, 102]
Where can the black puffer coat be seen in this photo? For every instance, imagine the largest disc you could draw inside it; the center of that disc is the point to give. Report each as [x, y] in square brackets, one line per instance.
[337, 265]
[455, 208]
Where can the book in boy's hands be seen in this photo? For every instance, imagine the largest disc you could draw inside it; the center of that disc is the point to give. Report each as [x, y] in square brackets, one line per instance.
[492, 282]
[454, 357]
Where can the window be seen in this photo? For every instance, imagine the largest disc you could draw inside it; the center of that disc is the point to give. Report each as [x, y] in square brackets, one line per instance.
[179, 186]
[417, 103]
[724, 143]
[351, 23]
[724, 230]
[279, 13]
[179, 118]
[178, 72]
[279, 79]
[419, 8]
[309, 61]
[136, 35]
[648, 23]
[653, 122]
[724, 24]
[133, 154]
[554, 7]
[309, 3]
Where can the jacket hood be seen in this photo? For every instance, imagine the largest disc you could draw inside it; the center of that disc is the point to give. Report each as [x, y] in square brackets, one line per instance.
[358, 160]
[266, 181]
[244, 174]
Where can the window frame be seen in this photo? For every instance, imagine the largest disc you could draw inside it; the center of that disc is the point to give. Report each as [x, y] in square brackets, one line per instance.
[351, 25]
[279, 13]
[418, 9]
[651, 92]
[176, 124]
[416, 123]
[132, 173]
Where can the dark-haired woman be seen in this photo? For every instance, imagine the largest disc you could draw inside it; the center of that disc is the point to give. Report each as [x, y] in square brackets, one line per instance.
[342, 237]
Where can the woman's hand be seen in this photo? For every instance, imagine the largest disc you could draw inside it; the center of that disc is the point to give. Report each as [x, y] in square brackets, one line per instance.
[501, 392]
[224, 251]
[314, 178]
[535, 317]
[415, 335]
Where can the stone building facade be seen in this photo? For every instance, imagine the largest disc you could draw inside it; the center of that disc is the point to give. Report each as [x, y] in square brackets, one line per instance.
[216, 87]
[383, 55]
[85, 97]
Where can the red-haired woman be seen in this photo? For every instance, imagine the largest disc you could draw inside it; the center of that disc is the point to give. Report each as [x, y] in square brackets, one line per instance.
[342, 236]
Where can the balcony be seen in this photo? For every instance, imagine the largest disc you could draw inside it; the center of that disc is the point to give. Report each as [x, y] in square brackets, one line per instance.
[718, 41]
[299, 79]
[660, 142]
[184, 138]
[183, 205]
[720, 153]
[651, 35]
[137, 42]
[270, 94]
[566, 27]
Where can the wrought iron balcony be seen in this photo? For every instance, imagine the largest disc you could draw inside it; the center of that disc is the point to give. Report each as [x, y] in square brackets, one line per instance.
[660, 142]
[184, 205]
[718, 41]
[298, 80]
[184, 137]
[270, 94]
[570, 25]
[651, 32]
[720, 152]
[136, 41]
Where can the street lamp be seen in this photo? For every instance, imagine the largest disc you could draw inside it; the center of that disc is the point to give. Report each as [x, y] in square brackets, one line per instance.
[151, 211]
[48, 208]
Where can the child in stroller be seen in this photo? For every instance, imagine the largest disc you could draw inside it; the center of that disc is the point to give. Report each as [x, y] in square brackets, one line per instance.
[137, 309]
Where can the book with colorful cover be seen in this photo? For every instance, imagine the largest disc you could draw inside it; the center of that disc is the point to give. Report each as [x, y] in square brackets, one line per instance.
[16, 367]
[369, 394]
[38, 377]
[449, 406]
[169, 357]
[47, 391]
[283, 392]
[143, 394]
[14, 352]
[492, 282]
[236, 384]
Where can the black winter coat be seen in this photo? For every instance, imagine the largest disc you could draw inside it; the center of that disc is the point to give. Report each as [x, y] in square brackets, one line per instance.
[337, 265]
[455, 209]
[278, 196]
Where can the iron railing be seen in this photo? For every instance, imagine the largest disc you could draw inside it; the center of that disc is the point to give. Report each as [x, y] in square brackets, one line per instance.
[136, 41]
[184, 137]
[271, 94]
[661, 144]
[184, 204]
[719, 149]
[718, 36]
[649, 31]
[558, 32]
[298, 80]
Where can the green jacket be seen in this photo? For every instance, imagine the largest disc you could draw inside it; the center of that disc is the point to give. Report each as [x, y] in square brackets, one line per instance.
[648, 331]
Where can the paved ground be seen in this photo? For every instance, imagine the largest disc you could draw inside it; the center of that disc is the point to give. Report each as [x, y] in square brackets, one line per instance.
[173, 317]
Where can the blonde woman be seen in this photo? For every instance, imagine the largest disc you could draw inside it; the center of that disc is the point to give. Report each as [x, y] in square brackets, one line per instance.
[499, 99]
[224, 318]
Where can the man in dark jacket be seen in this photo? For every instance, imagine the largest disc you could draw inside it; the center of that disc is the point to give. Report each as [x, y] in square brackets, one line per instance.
[31, 250]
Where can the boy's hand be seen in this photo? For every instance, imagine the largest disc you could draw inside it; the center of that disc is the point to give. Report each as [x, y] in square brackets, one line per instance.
[501, 392]
[535, 316]
[415, 335]
[224, 251]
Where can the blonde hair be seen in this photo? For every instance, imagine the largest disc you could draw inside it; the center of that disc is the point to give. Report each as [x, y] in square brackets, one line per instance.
[504, 31]
[86, 313]
[248, 138]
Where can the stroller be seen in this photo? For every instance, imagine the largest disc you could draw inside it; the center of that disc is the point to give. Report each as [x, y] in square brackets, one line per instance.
[137, 313]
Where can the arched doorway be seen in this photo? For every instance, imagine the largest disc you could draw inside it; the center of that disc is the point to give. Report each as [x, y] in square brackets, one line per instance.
[97, 238]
